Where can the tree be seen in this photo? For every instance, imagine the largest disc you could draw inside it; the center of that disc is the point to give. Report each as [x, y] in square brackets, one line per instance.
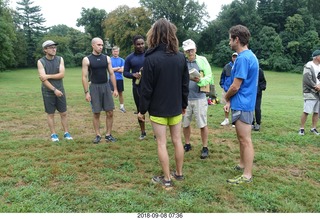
[188, 15]
[123, 23]
[7, 37]
[92, 21]
[30, 21]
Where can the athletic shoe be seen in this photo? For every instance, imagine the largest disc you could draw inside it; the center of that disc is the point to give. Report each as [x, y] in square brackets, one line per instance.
[238, 168]
[122, 110]
[314, 131]
[176, 177]
[301, 132]
[160, 180]
[54, 138]
[97, 139]
[187, 147]
[110, 138]
[233, 126]
[256, 127]
[142, 136]
[204, 153]
[67, 136]
[225, 122]
[210, 102]
[239, 180]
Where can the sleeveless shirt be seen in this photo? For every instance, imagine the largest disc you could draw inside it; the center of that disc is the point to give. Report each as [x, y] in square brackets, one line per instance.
[98, 65]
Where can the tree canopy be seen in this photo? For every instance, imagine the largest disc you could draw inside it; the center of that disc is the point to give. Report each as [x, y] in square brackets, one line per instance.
[284, 32]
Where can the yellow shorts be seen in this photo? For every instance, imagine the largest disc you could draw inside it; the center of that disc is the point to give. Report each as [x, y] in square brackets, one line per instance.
[166, 120]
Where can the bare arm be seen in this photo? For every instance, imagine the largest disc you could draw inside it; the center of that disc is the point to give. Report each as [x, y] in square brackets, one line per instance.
[85, 83]
[235, 86]
[112, 77]
[43, 76]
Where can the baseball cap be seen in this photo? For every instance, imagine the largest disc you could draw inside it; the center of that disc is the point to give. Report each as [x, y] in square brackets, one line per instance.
[234, 54]
[316, 53]
[48, 43]
[188, 44]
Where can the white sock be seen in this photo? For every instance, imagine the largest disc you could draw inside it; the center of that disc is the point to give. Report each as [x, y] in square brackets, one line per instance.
[121, 106]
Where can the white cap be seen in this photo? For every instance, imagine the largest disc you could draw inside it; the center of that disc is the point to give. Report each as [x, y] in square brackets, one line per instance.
[188, 44]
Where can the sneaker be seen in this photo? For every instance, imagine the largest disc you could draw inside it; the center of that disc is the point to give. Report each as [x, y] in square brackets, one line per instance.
[238, 180]
[238, 168]
[54, 138]
[67, 136]
[301, 132]
[210, 102]
[187, 147]
[176, 177]
[225, 122]
[165, 184]
[314, 131]
[256, 127]
[123, 110]
[97, 139]
[142, 136]
[110, 138]
[233, 126]
[204, 153]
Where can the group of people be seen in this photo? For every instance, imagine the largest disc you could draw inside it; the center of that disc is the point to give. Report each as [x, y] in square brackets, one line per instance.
[161, 87]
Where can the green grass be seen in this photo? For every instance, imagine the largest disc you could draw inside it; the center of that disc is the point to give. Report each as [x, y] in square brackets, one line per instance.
[37, 175]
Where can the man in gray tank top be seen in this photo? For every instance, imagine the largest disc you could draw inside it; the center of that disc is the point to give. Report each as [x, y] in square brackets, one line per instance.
[51, 72]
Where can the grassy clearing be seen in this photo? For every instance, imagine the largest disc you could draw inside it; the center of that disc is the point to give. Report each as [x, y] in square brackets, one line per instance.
[37, 175]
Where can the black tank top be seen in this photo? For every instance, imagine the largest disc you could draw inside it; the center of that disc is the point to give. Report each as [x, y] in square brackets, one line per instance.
[98, 66]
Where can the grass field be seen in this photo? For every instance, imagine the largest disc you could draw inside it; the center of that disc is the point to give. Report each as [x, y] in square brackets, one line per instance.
[37, 175]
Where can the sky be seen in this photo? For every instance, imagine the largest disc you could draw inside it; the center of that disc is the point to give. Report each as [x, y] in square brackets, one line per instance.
[68, 11]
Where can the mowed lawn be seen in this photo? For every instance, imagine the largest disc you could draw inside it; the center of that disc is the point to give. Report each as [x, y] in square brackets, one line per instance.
[37, 175]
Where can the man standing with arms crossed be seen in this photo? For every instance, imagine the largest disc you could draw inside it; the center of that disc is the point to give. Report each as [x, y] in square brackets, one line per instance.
[117, 67]
[99, 95]
[241, 98]
[51, 72]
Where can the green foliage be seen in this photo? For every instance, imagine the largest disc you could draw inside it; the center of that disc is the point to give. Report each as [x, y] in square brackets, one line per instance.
[92, 21]
[7, 38]
[123, 24]
[188, 15]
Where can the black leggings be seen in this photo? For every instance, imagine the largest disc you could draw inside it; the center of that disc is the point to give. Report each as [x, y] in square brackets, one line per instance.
[257, 110]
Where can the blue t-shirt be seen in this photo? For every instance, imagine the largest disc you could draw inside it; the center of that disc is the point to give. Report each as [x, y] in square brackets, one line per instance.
[246, 67]
[117, 62]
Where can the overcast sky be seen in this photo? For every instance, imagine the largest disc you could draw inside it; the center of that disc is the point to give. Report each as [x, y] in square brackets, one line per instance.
[68, 11]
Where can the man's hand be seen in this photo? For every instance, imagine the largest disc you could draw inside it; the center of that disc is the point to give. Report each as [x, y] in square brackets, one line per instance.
[43, 77]
[226, 107]
[141, 117]
[58, 93]
[115, 93]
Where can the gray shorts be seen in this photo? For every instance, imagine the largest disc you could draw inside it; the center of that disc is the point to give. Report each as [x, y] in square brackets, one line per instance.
[311, 106]
[101, 97]
[199, 108]
[52, 102]
[243, 116]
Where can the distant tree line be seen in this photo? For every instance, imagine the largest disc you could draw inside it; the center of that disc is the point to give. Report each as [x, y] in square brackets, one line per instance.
[284, 32]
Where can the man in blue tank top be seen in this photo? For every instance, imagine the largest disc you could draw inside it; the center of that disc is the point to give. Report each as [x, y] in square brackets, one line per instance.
[94, 68]
[241, 98]
[51, 72]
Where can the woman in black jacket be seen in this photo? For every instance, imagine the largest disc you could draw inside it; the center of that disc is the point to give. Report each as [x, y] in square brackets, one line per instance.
[164, 94]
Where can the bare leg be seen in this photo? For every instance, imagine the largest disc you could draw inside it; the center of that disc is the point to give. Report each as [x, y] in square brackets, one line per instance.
[246, 147]
[187, 133]
[304, 117]
[64, 121]
[315, 118]
[50, 120]
[121, 99]
[142, 125]
[109, 122]
[204, 136]
[175, 132]
[160, 132]
[96, 123]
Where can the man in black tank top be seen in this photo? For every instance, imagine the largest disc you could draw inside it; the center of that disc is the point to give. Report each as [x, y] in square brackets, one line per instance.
[98, 91]
[51, 72]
